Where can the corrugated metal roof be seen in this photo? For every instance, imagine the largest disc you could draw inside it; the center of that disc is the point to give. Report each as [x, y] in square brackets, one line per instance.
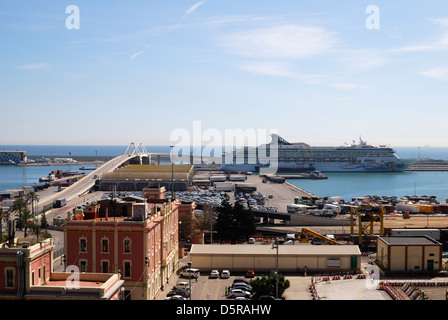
[254, 249]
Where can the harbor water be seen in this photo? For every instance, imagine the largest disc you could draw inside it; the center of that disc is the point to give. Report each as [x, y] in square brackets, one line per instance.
[350, 185]
[346, 185]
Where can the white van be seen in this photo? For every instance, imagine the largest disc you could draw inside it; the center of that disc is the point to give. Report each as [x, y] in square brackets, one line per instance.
[194, 273]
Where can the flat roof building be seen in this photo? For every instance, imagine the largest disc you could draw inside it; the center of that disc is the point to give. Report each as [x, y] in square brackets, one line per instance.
[291, 258]
[401, 254]
[138, 177]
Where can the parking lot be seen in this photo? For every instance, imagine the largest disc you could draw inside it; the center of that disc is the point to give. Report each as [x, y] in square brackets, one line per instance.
[206, 288]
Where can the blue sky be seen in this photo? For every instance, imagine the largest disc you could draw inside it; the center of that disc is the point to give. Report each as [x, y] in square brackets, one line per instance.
[135, 71]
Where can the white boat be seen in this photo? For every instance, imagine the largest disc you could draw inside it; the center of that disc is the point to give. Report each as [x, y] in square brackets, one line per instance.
[301, 157]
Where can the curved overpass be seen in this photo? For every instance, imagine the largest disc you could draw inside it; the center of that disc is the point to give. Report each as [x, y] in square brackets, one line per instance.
[85, 184]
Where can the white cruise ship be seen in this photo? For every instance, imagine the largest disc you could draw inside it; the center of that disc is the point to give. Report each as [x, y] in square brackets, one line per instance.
[301, 157]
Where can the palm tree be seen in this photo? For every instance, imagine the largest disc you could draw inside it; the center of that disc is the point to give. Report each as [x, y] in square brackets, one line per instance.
[3, 216]
[26, 219]
[33, 197]
[19, 205]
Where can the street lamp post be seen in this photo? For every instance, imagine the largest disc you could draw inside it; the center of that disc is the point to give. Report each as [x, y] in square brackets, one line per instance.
[189, 284]
[275, 246]
[172, 174]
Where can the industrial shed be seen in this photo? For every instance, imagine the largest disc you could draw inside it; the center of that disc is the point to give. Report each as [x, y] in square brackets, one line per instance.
[262, 258]
[137, 177]
[417, 254]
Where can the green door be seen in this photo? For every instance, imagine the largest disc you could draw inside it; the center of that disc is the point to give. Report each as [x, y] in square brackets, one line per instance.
[430, 265]
[354, 262]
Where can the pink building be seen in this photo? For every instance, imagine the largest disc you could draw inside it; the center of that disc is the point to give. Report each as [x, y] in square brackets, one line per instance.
[142, 247]
[26, 274]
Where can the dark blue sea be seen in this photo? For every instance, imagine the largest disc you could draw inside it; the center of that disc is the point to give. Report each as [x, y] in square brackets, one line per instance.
[346, 185]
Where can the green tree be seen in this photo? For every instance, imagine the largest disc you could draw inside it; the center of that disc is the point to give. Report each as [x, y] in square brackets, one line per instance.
[39, 230]
[186, 226]
[4, 216]
[25, 219]
[234, 222]
[19, 205]
[43, 221]
[266, 285]
[34, 198]
[224, 223]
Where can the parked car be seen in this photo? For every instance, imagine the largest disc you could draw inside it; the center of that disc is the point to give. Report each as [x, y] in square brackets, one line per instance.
[175, 297]
[182, 285]
[268, 298]
[241, 280]
[244, 288]
[241, 285]
[178, 292]
[194, 273]
[214, 274]
[251, 241]
[225, 274]
[250, 274]
[238, 293]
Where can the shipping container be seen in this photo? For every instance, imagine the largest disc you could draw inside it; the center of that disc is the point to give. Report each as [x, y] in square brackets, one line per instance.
[407, 207]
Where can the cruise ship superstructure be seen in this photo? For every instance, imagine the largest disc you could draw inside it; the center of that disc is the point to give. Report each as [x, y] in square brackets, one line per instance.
[301, 157]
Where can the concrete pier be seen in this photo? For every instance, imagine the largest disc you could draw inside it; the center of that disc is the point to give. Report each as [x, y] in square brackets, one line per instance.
[282, 193]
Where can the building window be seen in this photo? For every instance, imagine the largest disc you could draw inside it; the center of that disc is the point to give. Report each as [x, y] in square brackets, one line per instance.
[127, 245]
[127, 269]
[83, 245]
[32, 278]
[105, 245]
[10, 275]
[83, 265]
[105, 266]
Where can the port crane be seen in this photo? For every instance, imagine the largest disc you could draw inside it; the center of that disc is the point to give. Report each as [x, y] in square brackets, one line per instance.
[367, 215]
[307, 232]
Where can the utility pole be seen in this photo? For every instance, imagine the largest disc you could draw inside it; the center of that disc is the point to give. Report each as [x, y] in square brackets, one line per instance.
[275, 246]
[172, 174]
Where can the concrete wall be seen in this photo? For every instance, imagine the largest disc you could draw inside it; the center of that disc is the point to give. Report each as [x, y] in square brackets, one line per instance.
[287, 263]
[409, 257]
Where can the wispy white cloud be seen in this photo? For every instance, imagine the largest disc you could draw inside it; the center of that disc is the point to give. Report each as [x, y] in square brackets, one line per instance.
[193, 8]
[286, 70]
[166, 30]
[436, 43]
[286, 41]
[436, 73]
[34, 66]
[362, 59]
[136, 55]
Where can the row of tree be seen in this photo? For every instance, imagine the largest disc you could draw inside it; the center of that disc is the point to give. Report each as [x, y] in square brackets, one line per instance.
[227, 223]
[26, 218]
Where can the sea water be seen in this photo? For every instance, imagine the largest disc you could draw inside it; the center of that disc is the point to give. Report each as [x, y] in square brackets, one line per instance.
[399, 184]
[346, 185]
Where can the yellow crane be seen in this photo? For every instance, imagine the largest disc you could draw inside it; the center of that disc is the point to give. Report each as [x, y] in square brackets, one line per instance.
[307, 232]
[367, 215]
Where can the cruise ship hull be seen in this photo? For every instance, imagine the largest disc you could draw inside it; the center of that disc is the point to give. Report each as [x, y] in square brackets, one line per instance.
[326, 167]
[300, 157]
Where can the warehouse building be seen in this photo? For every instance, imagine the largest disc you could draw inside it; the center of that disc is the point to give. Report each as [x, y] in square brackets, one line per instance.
[263, 258]
[137, 177]
[404, 254]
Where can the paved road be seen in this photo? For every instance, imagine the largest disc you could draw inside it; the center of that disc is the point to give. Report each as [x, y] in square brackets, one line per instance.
[82, 186]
